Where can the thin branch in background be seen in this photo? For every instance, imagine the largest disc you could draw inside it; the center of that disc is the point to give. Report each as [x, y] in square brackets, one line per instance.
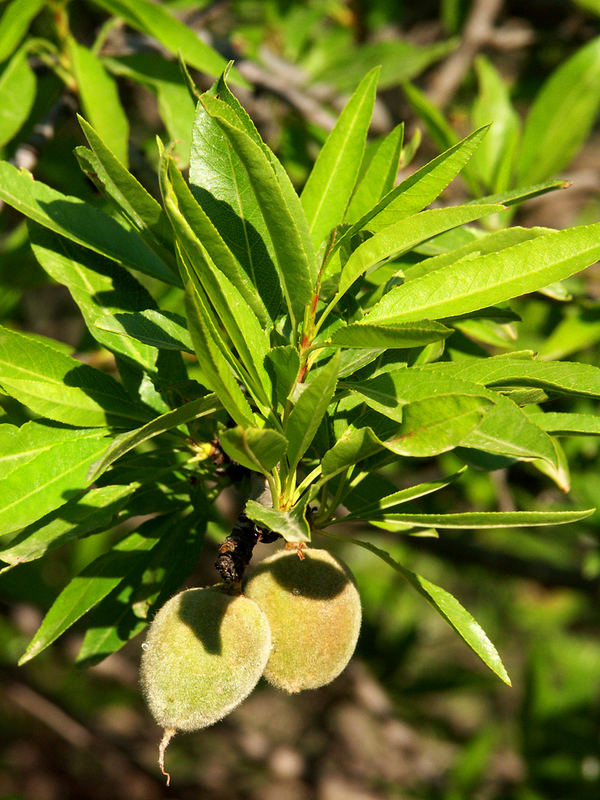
[478, 31]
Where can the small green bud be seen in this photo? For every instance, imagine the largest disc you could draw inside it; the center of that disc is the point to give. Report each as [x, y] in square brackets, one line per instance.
[313, 608]
[204, 654]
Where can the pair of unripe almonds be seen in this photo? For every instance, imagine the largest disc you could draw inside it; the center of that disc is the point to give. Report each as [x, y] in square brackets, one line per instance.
[297, 624]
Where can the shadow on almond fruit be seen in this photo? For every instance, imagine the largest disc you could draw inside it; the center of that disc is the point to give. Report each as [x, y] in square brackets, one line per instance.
[314, 612]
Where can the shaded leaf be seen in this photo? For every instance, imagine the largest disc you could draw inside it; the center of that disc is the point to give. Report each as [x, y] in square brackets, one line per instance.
[46, 467]
[122, 444]
[95, 511]
[292, 525]
[62, 388]
[258, 449]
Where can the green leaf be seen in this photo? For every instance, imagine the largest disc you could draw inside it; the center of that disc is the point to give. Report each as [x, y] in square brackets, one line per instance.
[309, 410]
[126, 610]
[258, 449]
[60, 387]
[216, 361]
[423, 186]
[561, 116]
[435, 425]
[344, 63]
[378, 175]
[17, 93]
[565, 424]
[578, 331]
[14, 24]
[353, 446]
[122, 444]
[95, 511]
[515, 196]
[175, 106]
[331, 182]
[400, 237]
[80, 222]
[100, 99]
[165, 330]
[157, 22]
[415, 334]
[292, 525]
[286, 225]
[234, 315]
[100, 288]
[449, 609]
[506, 430]
[94, 582]
[493, 278]
[487, 519]
[387, 503]
[141, 209]
[481, 245]
[282, 364]
[196, 228]
[495, 157]
[43, 467]
[222, 187]
[440, 130]
[563, 377]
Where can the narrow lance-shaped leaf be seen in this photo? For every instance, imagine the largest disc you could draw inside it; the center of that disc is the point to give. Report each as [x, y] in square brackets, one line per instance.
[565, 424]
[449, 609]
[217, 362]
[415, 334]
[487, 519]
[495, 157]
[15, 20]
[141, 208]
[80, 222]
[190, 213]
[287, 228]
[237, 318]
[17, 93]
[563, 377]
[402, 236]
[309, 409]
[329, 187]
[95, 511]
[388, 502]
[100, 288]
[156, 21]
[561, 116]
[423, 186]
[379, 175]
[100, 98]
[237, 233]
[54, 469]
[164, 330]
[180, 416]
[434, 425]
[94, 582]
[62, 388]
[489, 243]
[493, 278]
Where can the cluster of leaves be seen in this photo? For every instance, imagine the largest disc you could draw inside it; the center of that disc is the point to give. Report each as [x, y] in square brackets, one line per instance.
[329, 335]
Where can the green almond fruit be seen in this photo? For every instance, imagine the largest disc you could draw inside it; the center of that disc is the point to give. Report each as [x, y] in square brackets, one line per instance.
[204, 654]
[314, 612]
